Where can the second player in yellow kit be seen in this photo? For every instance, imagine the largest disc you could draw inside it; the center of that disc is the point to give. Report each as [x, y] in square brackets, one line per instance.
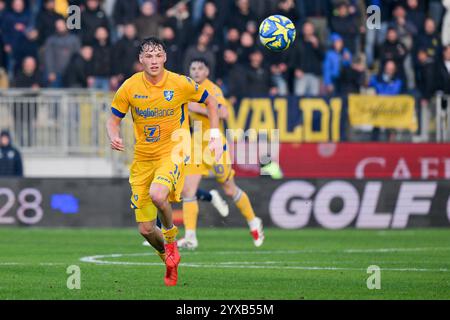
[201, 165]
[157, 100]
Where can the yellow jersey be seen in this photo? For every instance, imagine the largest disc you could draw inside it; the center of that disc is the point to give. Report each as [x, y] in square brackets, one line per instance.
[217, 93]
[157, 110]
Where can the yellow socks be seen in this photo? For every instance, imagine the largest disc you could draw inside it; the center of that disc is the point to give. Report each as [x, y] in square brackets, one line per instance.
[243, 203]
[162, 255]
[190, 213]
[170, 234]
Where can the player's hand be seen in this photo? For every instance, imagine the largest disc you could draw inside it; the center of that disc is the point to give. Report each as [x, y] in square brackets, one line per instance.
[117, 144]
[216, 146]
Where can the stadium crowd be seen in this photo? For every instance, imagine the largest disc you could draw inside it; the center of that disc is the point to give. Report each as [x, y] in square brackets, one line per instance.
[334, 53]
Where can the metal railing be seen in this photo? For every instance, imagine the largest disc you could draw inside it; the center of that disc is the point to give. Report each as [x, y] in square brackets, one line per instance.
[61, 122]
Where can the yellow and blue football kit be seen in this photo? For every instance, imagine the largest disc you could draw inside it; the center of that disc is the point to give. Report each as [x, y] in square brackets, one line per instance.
[158, 110]
[221, 169]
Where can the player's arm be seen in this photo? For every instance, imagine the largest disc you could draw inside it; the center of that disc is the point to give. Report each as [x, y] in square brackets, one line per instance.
[119, 108]
[215, 138]
[223, 112]
[197, 108]
[113, 128]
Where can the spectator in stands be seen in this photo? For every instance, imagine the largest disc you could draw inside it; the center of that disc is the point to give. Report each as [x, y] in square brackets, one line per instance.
[14, 27]
[430, 40]
[346, 25]
[279, 71]
[436, 9]
[336, 58]
[443, 71]
[393, 49]
[376, 36]
[415, 13]
[230, 76]
[406, 32]
[26, 47]
[28, 76]
[386, 83]
[45, 22]
[124, 12]
[246, 46]
[317, 12]
[79, 72]
[241, 16]
[125, 53]
[446, 24]
[179, 17]
[287, 8]
[59, 49]
[233, 39]
[306, 58]
[102, 60]
[149, 21]
[425, 69]
[405, 29]
[10, 157]
[92, 17]
[258, 80]
[352, 77]
[200, 50]
[173, 50]
[214, 19]
[426, 85]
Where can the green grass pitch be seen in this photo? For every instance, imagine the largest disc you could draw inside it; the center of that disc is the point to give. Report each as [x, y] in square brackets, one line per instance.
[292, 264]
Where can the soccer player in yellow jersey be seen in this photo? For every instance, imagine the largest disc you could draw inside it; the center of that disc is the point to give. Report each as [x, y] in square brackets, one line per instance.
[222, 170]
[158, 100]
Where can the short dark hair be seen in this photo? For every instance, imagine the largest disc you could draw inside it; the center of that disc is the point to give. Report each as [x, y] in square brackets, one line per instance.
[151, 42]
[201, 60]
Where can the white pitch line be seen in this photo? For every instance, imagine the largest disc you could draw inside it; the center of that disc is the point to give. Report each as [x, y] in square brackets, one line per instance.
[240, 265]
[33, 264]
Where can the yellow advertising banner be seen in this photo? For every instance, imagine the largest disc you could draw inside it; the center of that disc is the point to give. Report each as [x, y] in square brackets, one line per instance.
[392, 112]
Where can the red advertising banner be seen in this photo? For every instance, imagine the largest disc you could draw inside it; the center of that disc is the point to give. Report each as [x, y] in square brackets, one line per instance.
[362, 160]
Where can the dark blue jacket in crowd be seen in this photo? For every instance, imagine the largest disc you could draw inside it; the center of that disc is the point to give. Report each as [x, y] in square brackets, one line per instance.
[10, 35]
[10, 161]
[386, 86]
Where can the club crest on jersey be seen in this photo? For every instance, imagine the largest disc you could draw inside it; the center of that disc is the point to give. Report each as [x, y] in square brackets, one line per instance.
[168, 94]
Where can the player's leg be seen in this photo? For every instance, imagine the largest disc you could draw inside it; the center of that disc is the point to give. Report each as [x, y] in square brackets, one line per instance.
[242, 201]
[153, 235]
[190, 211]
[216, 200]
[159, 194]
[141, 175]
[158, 225]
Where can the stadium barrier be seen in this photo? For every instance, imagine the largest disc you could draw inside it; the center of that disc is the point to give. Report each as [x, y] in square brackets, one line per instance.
[288, 204]
[405, 161]
[72, 121]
